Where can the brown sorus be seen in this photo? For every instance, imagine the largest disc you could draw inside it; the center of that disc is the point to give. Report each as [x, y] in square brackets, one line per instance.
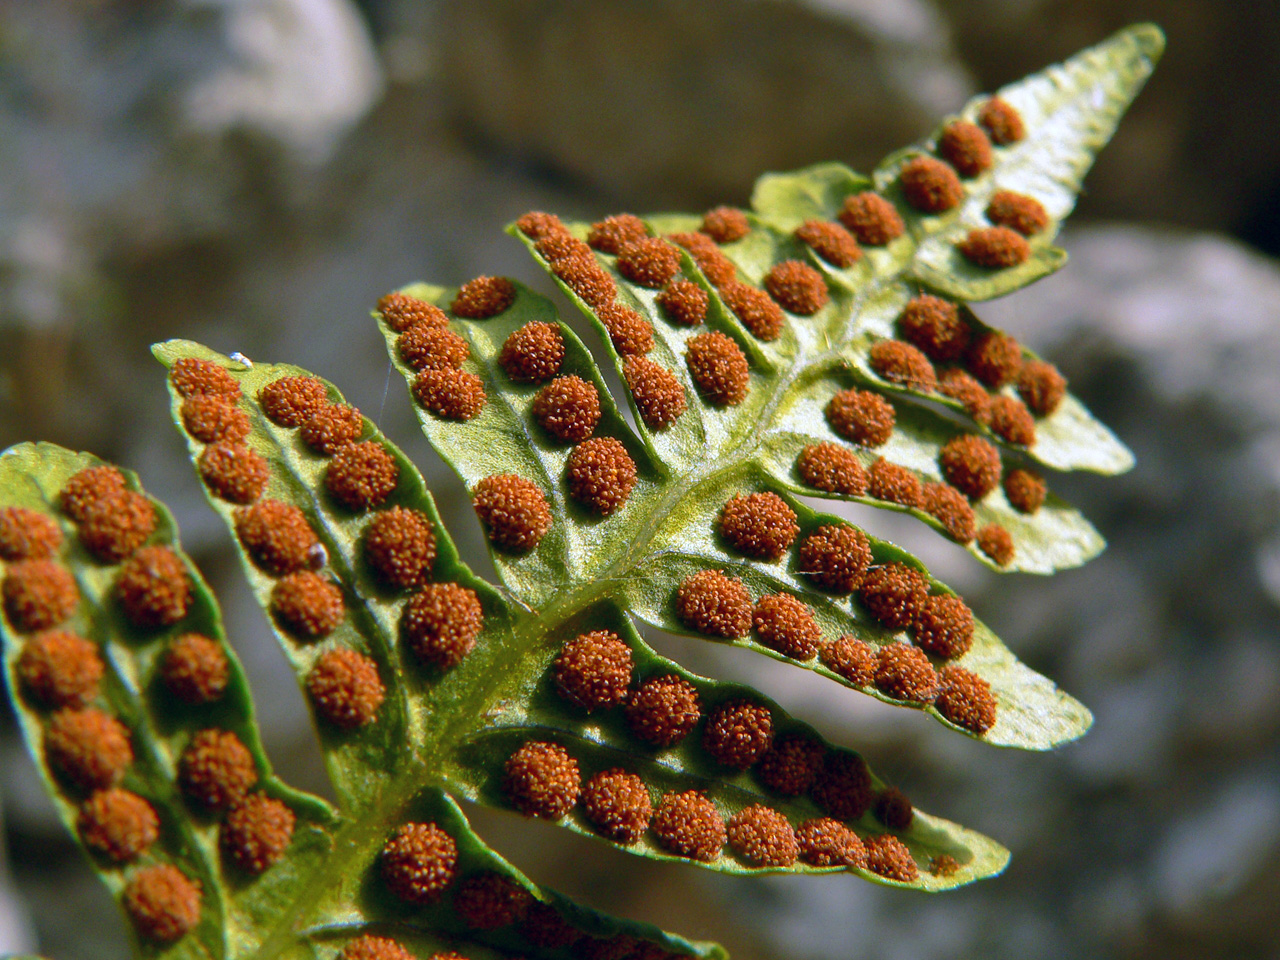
[60, 669]
[432, 348]
[650, 262]
[594, 670]
[832, 468]
[450, 394]
[872, 219]
[195, 669]
[995, 247]
[118, 824]
[88, 748]
[1002, 122]
[558, 247]
[292, 401]
[658, 395]
[535, 224]
[1041, 386]
[369, 947]
[684, 303]
[965, 146]
[27, 535]
[419, 862]
[331, 427]
[620, 946]
[203, 378]
[401, 311]
[210, 419]
[345, 687]
[591, 282]
[630, 333]
[737, 733]
[484, 297]
[1018, 212]
[835, 557]
[154, 588]
[786, 625]
[617, 803]
[934, 326]
[997, 543]
[162, 902]
[725, 224]
[308, 605]
[611, 234]
[601, 474]
[361, 475]
[533, 353]
[832, 242]
[958, 385]
[234, 472]
[761, 525]
[257, 832]
[893, 809]
[971, 465]
[901, 363]
[715, 266]
[543, 926]
[718, 367]
[276, 535]
[711, 603]
[791, 763]
[662, 710]
[542, 780]
[943, 865]
[490, 901]
[113, 530]
[995, 359]
[755, 309]
[797, 287]
[948, 506]
[851, 658]
[930, 185]
[864, 417]
[894, 483]
[689, 825]
[441, 623]
[894, 594]
[216, 770]
[88, 488]
[965, 699]
[568, 408]
[1012, 421]
[1025, 490]
[843, 786]
[401, 547]
[889, 857]
[763, 837]
[825, 842]
[513, 509]
[904, 673]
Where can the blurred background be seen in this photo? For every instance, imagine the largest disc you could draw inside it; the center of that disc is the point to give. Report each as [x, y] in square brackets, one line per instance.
[254, 174]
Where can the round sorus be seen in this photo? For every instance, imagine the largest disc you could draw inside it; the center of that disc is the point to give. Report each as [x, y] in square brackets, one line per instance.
[611, 234]
[276, 536]
[118, 824]
[864, 417]
[763, 837]
[292, 401]
[60, 669]
[658, 395]
[851, 658]
[513, 509]
[797, 287]
[1002, 122]
[755, 309]
[369, 947]
[791, 763]
[88, 488]
[195, 669]
[943, 865]
[715, 266]
[718, 367]
[833, 468]
[210, 419]
[971, 465]
[561, 246]
[332, 427]
[490, 901]
[484, 297]
[234, 472]
[662, 710]
[958, 385]
[568, 408]
[650, 262]
[542, 780]
[930, 185]
[594, 670]
[591, 282]
[684, 303]
[441, 623]
[401, 311]
[688, 825]
[894, 483]
[761, 525]
[843, 786]
[889, 857]
[617, 803]
[543, 926]
[904, 673]
[900, 363]
[117, 528]
[216, 770]
[835, 557]
[737, 733]
[825, 842]
[535, 224]
[872, 219]
[426, 347]
[27, 535]
[620, 946]
[786, 625]
[1025, 489]
[725, 224]
[450, 394]
[203, 378]
[88, 748]
[934, 326]
[832, 242]
[893, 809]
[1018, 212]
[948, 506]
[965, 699]
[361, 475]
[401, 547]
[307, 605]
[257, 832]
[162, 902]
[630, 333]
[995, 359]
[419, 862]
[711, 603]
[154, 588]
[995, 247]
[965, 146]
[1041, 386]
[533, 353]
[894, 594]
[345, 687]
[1012, 421]
[600, 474]
[997, 543]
